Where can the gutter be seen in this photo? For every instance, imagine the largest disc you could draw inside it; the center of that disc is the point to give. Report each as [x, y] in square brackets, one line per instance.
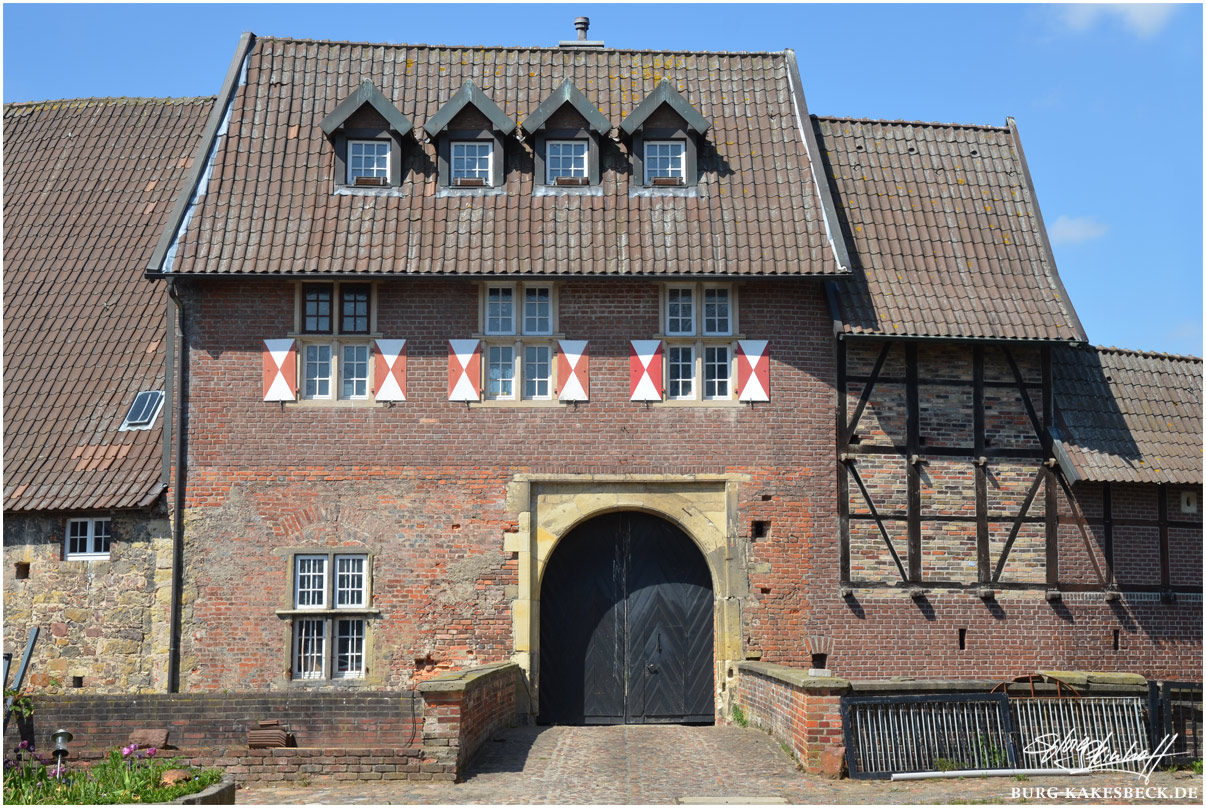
[833, 229]
[1047, 252]
[177, 593]
[202, 159]
[177, 354]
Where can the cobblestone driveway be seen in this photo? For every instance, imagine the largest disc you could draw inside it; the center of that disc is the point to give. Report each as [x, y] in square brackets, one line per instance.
[672, 764]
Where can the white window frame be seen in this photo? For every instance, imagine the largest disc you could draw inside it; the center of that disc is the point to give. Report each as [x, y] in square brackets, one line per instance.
[549, 178]
[682, 160]
[453, 176]
[147, 421]
[518, 338]
[700, 339]
[92, 536]
[389, 157]
[329, 619]
[336, 340]
[488, 369]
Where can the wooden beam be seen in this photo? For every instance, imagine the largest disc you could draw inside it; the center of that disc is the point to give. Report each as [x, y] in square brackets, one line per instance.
[913, 470]
[843, 478]
[947, 451]
[1039, 432]
[1017, 524]
[983, 562]
[903, 516]
[1081, 523]
[1051, 498]
[848, 430]
[883, 531]
[1162, 502]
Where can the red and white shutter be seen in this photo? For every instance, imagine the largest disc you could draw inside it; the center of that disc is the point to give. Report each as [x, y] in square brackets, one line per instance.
[390, 369]
[573, 370]
[645, 370]
[753, 370]
[464, 370]
[280, 370]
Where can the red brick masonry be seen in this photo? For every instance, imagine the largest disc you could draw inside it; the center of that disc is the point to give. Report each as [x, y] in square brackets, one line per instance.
[797, 709]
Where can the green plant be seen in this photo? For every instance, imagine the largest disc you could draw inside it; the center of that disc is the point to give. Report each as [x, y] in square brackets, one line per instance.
[22, 705]
[1196, 766]
[994, 758]
[1020, 778]
[739, 716]
[946, 765]
[127, 775]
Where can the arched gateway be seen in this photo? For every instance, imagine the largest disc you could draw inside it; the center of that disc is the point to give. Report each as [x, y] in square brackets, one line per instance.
[626, 625]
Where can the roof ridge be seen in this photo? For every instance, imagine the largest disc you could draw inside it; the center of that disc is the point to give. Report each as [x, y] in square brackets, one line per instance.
[555, 48]
[107, 100]
[1148, 354]
[986, 126]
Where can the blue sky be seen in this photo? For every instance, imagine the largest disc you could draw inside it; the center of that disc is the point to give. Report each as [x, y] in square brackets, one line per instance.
[1108, 99]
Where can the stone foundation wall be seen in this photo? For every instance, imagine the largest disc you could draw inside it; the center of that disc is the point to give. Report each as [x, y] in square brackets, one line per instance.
[103, 624]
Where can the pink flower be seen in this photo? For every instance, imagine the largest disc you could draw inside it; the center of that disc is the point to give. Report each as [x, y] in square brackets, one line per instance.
[152, 752]
[126, 751]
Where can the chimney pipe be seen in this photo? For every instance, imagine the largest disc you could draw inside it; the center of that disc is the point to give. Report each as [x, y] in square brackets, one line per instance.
[582, 43]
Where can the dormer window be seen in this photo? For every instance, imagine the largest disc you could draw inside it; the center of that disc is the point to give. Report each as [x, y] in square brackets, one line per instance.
[665, 162]
[666, 133]
[565, 162]
[471, 163]
[469, 131]
[367, 133]
[566, 129]
[368, 162]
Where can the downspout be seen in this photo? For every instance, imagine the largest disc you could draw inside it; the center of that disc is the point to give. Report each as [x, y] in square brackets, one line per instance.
[177, 490]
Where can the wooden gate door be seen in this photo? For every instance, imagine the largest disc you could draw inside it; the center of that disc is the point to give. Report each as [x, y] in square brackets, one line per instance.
[626, 626]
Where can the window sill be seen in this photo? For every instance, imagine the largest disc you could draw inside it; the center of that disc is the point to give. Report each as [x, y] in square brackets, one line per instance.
[504, 338]
[87, 557]
[369, 190]
[470, 191]
[708, 404]
[335, 404]
[714, 338]
[324, 613]
[518, 404]
[567, 190]
[348, 682]
[689, 191]
[312, 337]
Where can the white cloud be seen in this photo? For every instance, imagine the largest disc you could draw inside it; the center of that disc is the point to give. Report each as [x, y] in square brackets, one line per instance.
[1141, 19]
[1076, 229]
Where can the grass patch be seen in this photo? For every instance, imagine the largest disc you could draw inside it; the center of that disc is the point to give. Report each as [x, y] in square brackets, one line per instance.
[739, 716]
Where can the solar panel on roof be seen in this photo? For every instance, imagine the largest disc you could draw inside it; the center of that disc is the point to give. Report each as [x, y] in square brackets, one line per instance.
[143, 411]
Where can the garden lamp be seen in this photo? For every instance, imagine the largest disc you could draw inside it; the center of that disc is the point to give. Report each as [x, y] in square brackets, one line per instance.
[61, 738]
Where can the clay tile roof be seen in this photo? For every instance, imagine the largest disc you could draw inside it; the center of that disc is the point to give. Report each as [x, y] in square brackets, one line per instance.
[945, 231]
[88, 186]
[1129, 416]
[757, 210]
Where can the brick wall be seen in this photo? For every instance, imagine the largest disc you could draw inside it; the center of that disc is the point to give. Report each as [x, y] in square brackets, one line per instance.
[795, 709]
[219, 720]
[463, 710]
[422, 485]
[105, 622]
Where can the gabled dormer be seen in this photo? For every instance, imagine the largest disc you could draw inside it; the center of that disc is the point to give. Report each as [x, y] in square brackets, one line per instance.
[665, 131]
[469, 131]
[367, 132]
[567, 130]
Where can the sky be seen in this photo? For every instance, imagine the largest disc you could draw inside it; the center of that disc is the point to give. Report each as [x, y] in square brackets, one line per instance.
[1107, 98]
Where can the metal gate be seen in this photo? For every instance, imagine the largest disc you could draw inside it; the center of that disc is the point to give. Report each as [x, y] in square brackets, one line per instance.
[1176, 713]
[626, 626]
[888, 734]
